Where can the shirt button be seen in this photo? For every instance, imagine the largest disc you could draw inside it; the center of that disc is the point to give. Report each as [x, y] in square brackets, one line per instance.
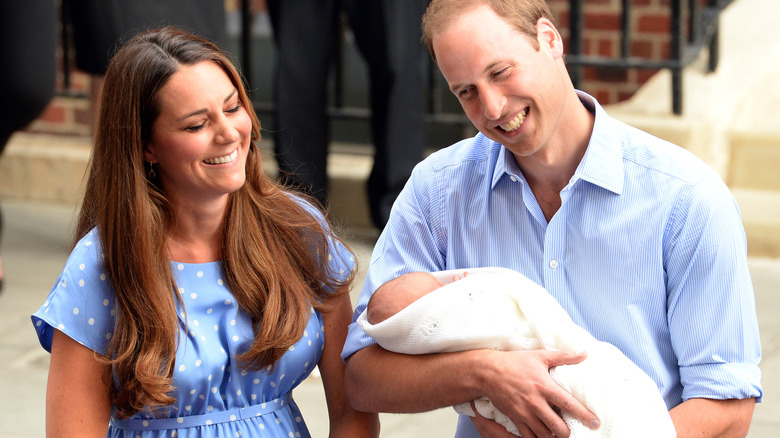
[553, 264]
[513, 178]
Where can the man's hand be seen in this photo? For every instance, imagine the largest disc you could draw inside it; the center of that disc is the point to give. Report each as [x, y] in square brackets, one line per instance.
[522, 389]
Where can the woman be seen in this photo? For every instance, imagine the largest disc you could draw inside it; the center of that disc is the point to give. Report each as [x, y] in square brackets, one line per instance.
[199, 293]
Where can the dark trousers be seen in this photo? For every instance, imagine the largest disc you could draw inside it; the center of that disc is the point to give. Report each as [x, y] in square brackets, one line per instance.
[27, 42]
[387, 34]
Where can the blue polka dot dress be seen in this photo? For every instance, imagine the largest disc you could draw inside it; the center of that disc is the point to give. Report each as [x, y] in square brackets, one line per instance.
[215, 397]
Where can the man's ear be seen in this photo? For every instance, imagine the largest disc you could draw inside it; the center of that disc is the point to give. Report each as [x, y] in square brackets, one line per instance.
[549, 38]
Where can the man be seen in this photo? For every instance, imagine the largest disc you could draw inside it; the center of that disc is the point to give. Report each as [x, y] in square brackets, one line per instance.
[639, 241]
[387, 35]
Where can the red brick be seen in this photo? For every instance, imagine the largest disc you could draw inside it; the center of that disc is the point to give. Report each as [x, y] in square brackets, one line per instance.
[54, 112]
[654, 23]
[602, 21]
[642, 49]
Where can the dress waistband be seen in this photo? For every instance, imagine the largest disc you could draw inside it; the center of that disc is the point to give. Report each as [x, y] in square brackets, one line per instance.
[203, 419]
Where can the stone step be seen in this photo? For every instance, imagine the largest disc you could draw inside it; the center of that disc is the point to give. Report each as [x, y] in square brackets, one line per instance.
[50, 168]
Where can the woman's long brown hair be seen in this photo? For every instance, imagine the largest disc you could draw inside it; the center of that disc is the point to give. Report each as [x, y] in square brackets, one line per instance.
[274, 253]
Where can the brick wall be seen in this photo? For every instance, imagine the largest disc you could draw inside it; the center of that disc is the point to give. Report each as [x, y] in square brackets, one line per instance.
[650, 26]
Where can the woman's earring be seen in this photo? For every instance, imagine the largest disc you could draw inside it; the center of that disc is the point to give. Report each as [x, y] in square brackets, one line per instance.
[151, 171]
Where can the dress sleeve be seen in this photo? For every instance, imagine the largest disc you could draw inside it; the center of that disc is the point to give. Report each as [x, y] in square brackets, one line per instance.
[711, 303]
[81, 304]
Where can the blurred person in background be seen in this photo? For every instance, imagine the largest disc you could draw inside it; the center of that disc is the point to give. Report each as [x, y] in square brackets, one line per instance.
[27, 51]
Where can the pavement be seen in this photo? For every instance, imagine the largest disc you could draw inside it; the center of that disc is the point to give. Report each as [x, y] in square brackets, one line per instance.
[34, 248]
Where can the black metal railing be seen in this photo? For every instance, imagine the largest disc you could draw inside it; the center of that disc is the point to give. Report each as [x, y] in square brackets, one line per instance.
[685, 43]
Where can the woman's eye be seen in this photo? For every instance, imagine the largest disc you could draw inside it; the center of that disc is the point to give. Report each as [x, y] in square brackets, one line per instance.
[234, 110]
[196, 128]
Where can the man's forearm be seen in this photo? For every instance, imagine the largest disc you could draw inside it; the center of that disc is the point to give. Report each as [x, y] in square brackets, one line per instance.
[377, 380]
[700, 417]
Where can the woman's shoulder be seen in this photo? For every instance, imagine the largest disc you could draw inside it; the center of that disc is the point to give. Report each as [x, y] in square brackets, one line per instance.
[81, 303]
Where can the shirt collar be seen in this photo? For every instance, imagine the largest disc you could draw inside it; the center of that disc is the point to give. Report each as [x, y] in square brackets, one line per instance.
[602, 163]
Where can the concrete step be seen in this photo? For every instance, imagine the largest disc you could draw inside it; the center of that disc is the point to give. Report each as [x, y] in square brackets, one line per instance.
[50, 168]
[761, 218]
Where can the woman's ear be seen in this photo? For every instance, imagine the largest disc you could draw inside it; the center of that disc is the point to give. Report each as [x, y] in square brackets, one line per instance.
[549, 38]
[149, 155]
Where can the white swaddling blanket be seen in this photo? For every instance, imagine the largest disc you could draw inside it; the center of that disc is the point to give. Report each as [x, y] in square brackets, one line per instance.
[501, 309]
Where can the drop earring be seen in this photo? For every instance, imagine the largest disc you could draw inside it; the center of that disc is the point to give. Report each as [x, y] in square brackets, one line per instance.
[151, 174]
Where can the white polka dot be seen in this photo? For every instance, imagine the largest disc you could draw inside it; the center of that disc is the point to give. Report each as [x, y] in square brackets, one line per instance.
[102, 277]
[305, 333]
[91, 321]
[198, 362]
[209, 311]
[195, 322]
[174, 433]
[180, 420]
[254, 396]
[281, 377]
[88, 243]
[298, 419]
[61, 326]
[75, 310]
[192, 392]
[108, 336]
[210, 377]
[298, 434]
[235, 338]
[309, 342]
[145, 423]
[233, 322]
[232, 418]
[216, 328]
[82, 266]
[262, 426]
[291, 435]
[214, 390]
[220, 282]
[81, 283]
[112, 312]
[209, 408]
[105, 302]
[273, 384]
[238, 393]
[200, 274]
[181, 291]
[227, 302]
[38, 323]
[292, 348]
[180, 267]
[64, 283]
[181, 367]
[193, 295]
[244, 372]
[262, 405]
[188, 407]
[209, 422]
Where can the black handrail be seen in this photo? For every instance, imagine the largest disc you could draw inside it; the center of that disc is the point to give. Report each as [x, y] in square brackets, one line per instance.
[685, 47]
[703, 24]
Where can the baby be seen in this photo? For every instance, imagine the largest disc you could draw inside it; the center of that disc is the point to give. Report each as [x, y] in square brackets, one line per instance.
[398, 293]
[497, 308]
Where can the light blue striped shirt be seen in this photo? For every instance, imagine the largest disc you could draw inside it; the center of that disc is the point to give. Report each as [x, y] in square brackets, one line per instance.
[647, 251]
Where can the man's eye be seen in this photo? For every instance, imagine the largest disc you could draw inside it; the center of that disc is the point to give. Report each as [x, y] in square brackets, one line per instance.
[501, 72]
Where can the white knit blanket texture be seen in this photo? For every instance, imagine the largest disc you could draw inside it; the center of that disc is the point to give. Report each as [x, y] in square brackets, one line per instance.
[501, 309]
